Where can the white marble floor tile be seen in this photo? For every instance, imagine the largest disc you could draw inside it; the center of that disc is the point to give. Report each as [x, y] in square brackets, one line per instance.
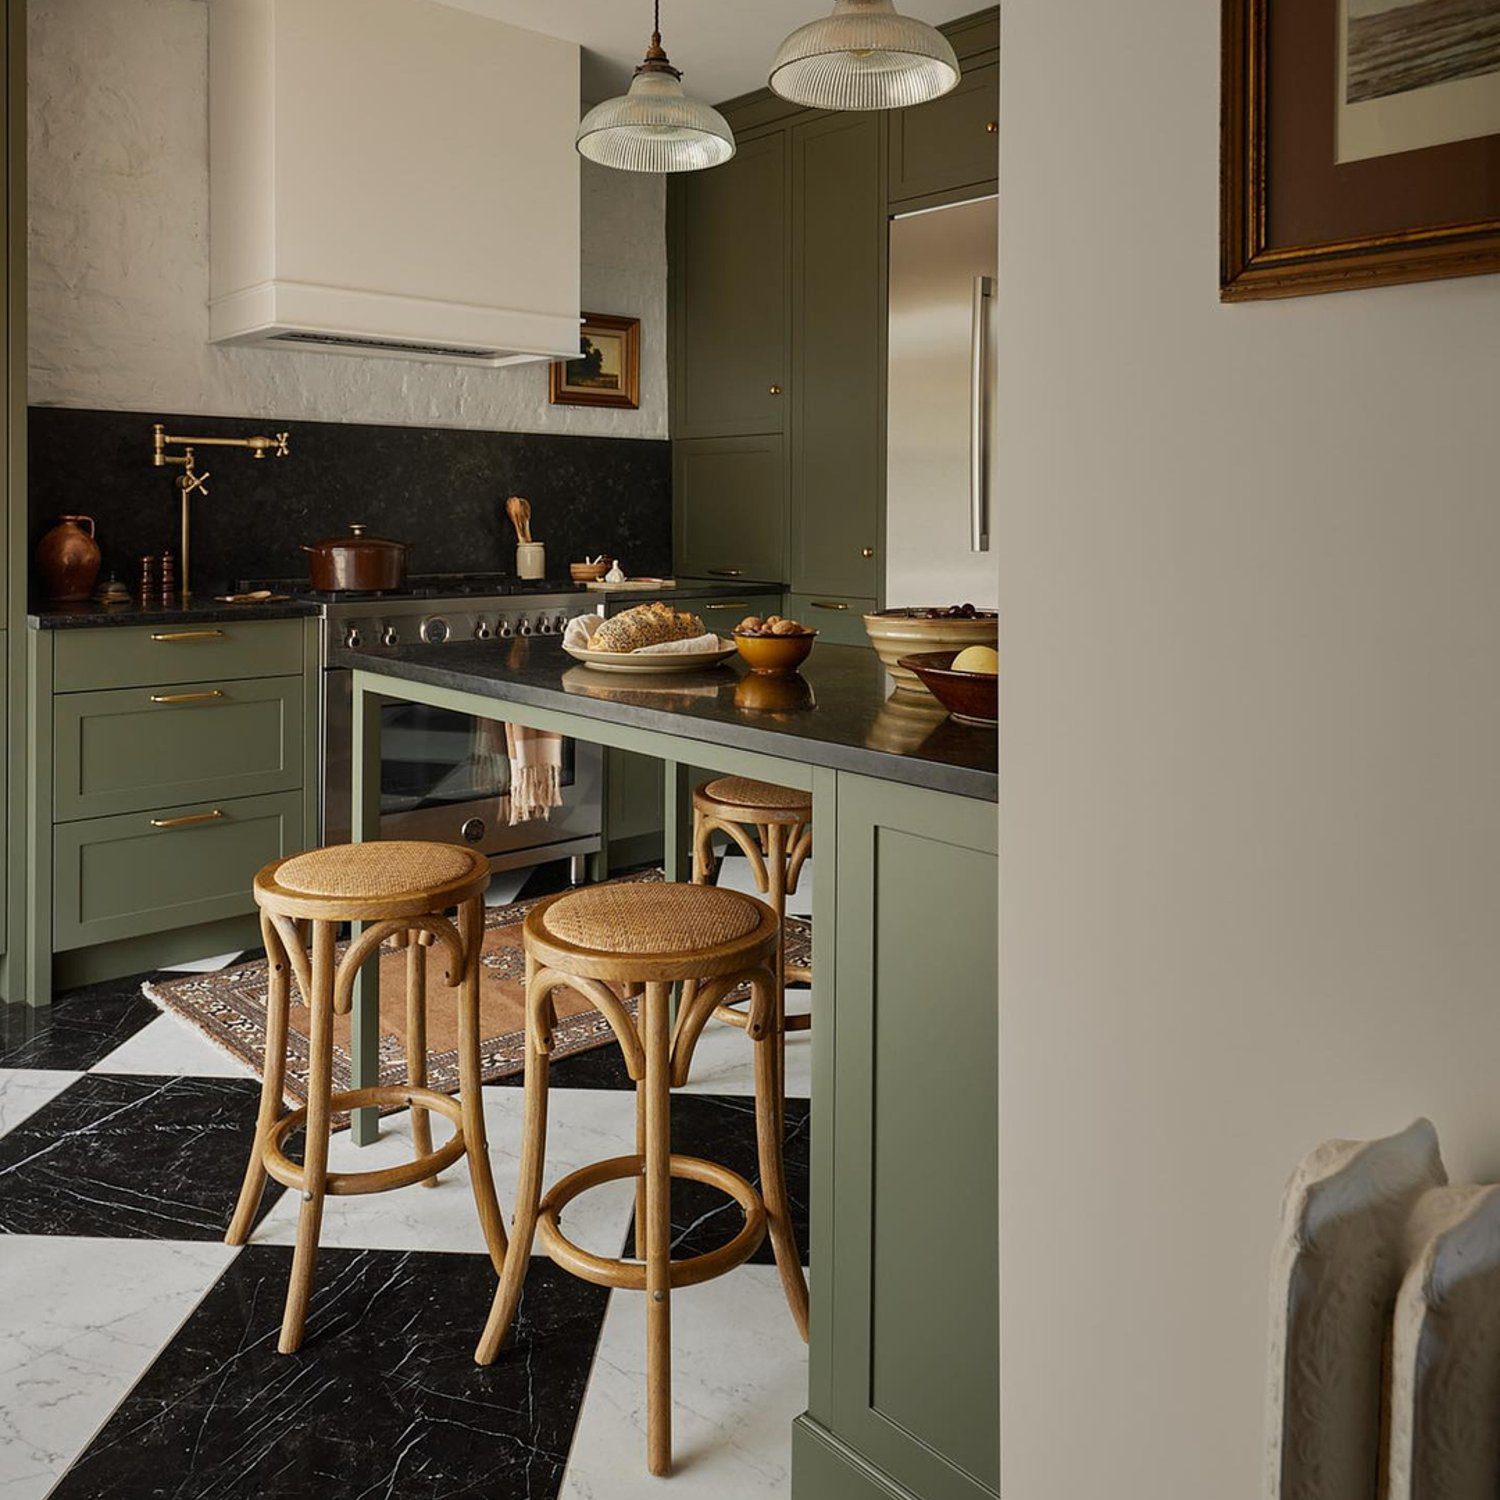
[584, 1125]
[210, 965]
[80, 1321]
[739, 1377]
[25, 1090]
[171, 1048]
[724, 1060]
[734, 875]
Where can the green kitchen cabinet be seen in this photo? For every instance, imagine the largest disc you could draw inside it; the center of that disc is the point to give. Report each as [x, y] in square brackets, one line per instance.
[119, 656]
[839, 620]
[722, 615]
[904, 1380]
[729, 324]
[729, 512]
[838, 355]
[115, 878]
[633, 808]
[949, 147]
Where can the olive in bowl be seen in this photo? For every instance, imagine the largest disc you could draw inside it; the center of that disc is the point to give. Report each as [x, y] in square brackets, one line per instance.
[773, 646]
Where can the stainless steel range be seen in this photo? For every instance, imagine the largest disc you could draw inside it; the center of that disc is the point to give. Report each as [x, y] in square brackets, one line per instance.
[445, 775]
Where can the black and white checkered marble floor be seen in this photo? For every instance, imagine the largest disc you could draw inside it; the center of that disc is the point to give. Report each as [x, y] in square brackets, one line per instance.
[138, 1351]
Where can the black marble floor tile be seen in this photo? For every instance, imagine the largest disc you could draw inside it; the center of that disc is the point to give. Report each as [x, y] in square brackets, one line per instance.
[384, 1398]
[77, 1029]
[721, 1128]
[130, 1158]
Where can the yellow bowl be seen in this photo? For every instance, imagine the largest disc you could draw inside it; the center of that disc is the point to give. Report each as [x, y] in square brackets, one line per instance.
[895, 633]
[775, 654]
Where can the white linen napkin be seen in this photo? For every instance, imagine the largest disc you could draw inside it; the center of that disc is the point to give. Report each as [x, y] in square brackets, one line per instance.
[579, 631]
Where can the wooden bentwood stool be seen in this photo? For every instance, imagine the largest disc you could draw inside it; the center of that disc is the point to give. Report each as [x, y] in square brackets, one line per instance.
[400, 890]
[773, 827]
[645, 937]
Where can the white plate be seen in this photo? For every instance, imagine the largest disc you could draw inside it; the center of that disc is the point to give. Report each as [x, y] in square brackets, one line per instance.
[662, 661]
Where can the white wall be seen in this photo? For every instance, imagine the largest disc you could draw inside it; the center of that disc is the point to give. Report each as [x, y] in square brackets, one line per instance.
[118, 113]
[1250, 762]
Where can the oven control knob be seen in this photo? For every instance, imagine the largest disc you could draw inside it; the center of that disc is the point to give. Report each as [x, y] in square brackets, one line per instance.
[482, 631]
[504, 630]
[388, 636]
[473, 829]
[525, 626]
[434, 630]
[560, 624]
[352, 638]
[545, 625]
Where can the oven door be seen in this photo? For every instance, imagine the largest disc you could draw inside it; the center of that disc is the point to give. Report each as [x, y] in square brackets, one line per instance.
[446, 776]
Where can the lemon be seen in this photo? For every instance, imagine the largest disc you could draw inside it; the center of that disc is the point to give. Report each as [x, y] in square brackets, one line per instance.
[977, 659]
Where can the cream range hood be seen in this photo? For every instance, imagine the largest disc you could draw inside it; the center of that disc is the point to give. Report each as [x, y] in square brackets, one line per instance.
[391, 177]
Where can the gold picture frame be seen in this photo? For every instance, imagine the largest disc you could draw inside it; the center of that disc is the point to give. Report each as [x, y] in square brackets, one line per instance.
[607, 371]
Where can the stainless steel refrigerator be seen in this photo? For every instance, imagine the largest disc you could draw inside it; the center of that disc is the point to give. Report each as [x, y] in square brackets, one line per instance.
[940, 392]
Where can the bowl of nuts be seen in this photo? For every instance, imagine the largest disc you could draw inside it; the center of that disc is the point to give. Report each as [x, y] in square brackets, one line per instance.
[773, 646]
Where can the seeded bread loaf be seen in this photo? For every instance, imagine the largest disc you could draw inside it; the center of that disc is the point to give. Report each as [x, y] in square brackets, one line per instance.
[646, 625]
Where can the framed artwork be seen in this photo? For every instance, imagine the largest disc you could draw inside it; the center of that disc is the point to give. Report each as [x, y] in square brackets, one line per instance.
[1361, 144]
[608, 370]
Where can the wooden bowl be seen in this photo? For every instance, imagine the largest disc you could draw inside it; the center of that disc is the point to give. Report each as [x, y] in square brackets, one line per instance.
[590, 572]
[895, 633]
[970, 697]
[775, 655]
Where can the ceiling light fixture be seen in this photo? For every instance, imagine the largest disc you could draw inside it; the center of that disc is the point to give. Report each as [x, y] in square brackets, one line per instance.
[864, 56]
[655, 126]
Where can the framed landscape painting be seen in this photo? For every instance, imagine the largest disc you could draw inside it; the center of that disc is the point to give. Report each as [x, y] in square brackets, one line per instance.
[1361, 143]
[607, 371]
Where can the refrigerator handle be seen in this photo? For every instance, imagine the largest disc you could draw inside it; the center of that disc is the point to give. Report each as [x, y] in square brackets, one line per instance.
[979, 499]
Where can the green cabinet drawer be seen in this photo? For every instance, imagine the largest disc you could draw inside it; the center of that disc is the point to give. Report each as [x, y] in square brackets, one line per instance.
[139, 873]
[133, 749]
[951, 144]
[723, 615]
[730, 507]
[838, 619]
[162, 655]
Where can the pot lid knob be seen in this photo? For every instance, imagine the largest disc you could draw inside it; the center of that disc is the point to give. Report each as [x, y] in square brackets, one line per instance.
[356, 529]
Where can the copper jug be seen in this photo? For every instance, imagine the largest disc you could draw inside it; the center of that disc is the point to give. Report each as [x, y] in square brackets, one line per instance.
[68, 560]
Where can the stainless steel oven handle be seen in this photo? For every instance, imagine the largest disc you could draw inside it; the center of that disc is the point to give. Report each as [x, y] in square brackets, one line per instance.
[979, 499]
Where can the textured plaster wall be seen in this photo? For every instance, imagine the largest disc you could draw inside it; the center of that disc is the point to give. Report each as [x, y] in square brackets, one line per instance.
[118, 152]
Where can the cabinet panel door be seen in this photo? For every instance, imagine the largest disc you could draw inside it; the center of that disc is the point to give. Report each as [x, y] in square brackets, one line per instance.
[729, 294]
[838, 375]
[840, 621]
[951, 143]
[730, 507]
[915, 1218]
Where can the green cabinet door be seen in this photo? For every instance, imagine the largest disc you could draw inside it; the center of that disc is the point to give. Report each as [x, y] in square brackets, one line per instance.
[633, 812]
[729, 316]
[729, 507]
[950, 146]
[904, 1381]
[838, 354]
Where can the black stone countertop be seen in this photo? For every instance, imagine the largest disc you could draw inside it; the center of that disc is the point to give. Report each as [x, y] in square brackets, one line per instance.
[206, 611]
[836, 713]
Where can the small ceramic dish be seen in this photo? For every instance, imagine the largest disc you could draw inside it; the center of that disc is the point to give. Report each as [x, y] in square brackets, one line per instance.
[590, 572]
[970, 697]
[775, 655]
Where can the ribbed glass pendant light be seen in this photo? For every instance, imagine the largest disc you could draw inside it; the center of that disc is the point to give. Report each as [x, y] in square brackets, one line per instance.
[655, 126]
[864, 56]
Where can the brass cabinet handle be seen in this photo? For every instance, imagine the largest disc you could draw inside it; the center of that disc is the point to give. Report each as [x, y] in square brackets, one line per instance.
[187, 820]
[775, 390]
[992, 127]
[187, 697]
[825, 604]
[728, 604]
[726, 572]
[190, 635]
[867, 552]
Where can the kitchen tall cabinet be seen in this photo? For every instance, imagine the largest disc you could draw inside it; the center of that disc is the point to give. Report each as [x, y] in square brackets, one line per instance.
[778, 330]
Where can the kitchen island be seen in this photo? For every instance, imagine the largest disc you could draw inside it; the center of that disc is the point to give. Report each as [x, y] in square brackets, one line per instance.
[904, 1359]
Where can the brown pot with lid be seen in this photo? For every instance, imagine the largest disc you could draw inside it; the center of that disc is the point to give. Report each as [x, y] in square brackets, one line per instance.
[68, 560]
[357, 563]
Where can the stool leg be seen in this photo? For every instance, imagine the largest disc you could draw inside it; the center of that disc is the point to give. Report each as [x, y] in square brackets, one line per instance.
[768, 1132]
[470, 1087]
[703, 858]
[315, 1156]
[776, 852]
[640, 1150]
[278, 999]
[416, 1045]
[657, 1171]
[528, 1192]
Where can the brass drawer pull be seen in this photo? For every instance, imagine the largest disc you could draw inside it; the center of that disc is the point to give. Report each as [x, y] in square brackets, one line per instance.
[826, 604]
[726, 572]
[187, 697]
[189, 635]
[735, 604]
[187, 820]
[867, 552]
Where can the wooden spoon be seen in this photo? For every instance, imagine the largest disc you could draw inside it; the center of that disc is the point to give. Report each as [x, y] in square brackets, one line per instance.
[519, 512]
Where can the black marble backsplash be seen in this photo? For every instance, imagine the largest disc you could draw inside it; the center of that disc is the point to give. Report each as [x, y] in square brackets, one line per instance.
[441, 489]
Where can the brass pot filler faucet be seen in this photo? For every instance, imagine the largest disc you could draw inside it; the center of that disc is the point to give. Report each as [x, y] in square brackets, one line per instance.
[190, 480]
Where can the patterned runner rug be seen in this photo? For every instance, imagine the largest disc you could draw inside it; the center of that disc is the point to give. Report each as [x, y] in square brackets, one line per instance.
[229, 1007]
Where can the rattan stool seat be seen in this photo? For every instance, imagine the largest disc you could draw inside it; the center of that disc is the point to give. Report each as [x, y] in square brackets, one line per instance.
[736, 795]
[384, 878]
